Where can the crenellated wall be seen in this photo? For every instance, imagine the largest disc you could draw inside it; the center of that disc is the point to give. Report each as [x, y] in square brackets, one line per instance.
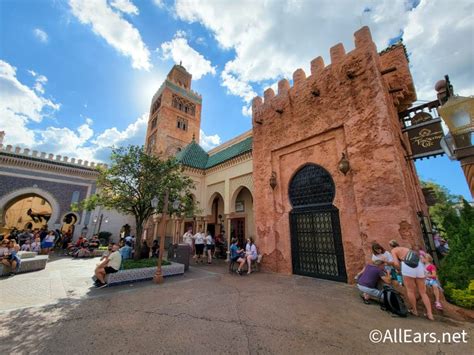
[349, 106]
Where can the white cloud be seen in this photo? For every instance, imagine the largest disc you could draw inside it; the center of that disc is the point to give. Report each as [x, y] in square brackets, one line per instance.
[159, 3]
[41, 35]
[179, 50]
[208, 142]
[439, 44]
[274, 39]
[20, 105]
[237, 86]
[113, 137]
[116, 31]
[125, 6]
[247, 111]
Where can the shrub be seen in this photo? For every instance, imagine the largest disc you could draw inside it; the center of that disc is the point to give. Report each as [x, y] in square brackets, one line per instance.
[460, 297]
[457, 267]
[104, 237]
[136, 264]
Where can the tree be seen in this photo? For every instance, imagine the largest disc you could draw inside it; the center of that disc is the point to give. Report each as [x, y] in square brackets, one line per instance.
[133, 179]
[445, 208]
[454, 217]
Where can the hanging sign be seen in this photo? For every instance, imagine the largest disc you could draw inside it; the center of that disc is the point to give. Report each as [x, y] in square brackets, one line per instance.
[425, 138]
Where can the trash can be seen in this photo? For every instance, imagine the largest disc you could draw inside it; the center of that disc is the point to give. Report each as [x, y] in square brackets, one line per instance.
[181, 255]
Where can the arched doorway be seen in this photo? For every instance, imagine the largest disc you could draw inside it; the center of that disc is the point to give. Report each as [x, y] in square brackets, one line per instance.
[242, 223]
[216, 217]
[29, 211]
[316, 241]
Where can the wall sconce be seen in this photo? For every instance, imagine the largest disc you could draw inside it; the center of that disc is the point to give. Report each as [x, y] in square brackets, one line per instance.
[273, 180]
[344, 165]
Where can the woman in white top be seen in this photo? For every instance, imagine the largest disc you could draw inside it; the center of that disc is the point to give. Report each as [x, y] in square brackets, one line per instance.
[188, 238]
[250, 255]
[199, 244]
[210, 246]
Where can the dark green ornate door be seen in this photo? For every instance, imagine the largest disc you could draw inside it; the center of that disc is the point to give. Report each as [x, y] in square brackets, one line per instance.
[316, 241]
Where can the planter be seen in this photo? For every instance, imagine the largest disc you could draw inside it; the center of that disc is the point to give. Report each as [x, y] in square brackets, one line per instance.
[143, 274]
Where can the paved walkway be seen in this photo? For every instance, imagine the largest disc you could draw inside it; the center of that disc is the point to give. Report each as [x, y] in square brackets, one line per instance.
[205, 311]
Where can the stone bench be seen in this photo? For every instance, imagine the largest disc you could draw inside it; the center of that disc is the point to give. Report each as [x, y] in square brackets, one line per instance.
[26, 254]
[255, 265]
[29, 264]
[142, 274]
[98, 252]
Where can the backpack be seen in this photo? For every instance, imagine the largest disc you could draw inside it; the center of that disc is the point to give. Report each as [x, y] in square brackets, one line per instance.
[392, 301]
[412, 259]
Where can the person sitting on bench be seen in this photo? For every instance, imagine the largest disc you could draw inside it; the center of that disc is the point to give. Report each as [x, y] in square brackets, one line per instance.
[250, 255]
[109, 265]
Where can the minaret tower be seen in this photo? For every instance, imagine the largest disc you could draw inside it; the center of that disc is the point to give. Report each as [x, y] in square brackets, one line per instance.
[175, 114]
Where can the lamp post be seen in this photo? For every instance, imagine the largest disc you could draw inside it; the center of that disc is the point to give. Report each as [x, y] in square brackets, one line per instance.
[458, 114]
[158, 278]
[100, 218]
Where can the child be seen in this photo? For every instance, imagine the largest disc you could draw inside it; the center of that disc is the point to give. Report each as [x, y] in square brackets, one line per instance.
[432, 278]
[36, 245]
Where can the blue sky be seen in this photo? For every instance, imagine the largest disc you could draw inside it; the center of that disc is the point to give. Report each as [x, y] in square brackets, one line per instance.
[77, 76]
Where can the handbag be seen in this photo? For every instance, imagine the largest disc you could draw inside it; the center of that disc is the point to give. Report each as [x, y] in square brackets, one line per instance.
[412, 259]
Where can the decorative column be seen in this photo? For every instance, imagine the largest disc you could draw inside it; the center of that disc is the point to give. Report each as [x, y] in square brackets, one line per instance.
[227, 222]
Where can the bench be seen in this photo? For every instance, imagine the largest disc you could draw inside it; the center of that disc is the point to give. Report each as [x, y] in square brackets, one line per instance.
[255, 264]
[142, 274]
[28, 264]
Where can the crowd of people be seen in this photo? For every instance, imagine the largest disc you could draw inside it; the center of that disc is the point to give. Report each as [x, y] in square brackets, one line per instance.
[207, 247]
[40, 240]
[411, 269]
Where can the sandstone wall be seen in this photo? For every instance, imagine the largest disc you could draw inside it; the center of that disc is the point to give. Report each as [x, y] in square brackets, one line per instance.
[345, 107]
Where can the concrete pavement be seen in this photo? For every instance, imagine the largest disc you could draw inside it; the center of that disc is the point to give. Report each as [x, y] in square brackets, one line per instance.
[211, 311]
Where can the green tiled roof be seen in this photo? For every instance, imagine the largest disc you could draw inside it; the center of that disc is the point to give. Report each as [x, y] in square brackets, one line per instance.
[194, 156]
[230, 152]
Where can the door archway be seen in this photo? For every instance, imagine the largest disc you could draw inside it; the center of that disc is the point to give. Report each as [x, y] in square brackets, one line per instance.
[316, 241]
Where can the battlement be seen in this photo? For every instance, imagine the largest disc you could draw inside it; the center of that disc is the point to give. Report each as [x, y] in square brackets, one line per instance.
[45, 157]
[343, 69]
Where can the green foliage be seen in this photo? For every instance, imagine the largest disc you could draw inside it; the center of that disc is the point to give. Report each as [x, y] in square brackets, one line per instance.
[443, 212]
[104, 237]
[458, 267]
[461, 297]
[136, 264]
[88, 204]
[456, 224]
[133, 179]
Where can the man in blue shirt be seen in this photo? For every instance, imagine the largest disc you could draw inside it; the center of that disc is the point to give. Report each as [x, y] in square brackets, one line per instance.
[126, 251]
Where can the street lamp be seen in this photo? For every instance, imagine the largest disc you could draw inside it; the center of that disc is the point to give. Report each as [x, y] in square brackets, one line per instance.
[458, 114]
[158, 278]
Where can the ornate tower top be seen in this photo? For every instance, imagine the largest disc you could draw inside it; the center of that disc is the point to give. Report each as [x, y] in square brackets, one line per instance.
[175, 114]
[179, 75]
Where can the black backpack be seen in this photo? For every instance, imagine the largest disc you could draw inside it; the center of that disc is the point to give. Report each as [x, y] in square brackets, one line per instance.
[392, 301]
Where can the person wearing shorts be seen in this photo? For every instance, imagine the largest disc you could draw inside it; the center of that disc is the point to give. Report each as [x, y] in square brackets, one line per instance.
[110, 265]
[199, 245]
[413, 278]
[210, 247]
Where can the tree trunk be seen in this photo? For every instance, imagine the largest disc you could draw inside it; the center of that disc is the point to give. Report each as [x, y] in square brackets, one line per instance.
[138, 239]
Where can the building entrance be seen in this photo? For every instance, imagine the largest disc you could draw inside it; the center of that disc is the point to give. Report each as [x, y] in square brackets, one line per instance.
[316, 242]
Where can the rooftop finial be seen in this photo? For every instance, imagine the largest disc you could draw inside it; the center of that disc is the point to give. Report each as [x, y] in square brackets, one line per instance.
[180, 63]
